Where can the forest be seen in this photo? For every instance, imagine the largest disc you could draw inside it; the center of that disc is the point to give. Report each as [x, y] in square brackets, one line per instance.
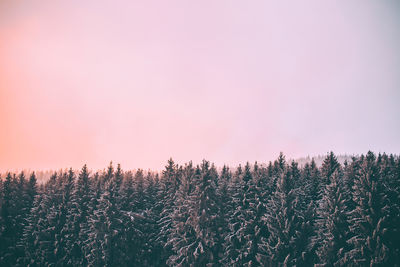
[277, 213]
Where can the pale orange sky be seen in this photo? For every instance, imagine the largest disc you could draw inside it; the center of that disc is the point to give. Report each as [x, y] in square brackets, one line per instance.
[137, 82]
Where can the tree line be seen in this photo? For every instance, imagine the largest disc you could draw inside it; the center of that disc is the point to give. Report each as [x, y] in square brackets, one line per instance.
[275, 214]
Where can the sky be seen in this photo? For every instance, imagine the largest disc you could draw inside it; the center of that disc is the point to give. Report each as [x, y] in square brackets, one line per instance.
[138, 82]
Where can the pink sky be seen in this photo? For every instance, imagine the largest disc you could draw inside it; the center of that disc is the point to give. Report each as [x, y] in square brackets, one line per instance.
[138, 82]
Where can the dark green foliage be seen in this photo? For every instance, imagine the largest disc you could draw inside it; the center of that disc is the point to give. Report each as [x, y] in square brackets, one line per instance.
[246, 226]
[285, 223]
[8, 222]
[195, 236]
[368, 221]
[279, 214]
[331, 225]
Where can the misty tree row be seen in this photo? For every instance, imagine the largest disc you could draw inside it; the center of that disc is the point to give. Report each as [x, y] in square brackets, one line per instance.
[277, 214]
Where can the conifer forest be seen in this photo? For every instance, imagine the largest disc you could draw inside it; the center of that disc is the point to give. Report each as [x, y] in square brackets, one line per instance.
[258, 214]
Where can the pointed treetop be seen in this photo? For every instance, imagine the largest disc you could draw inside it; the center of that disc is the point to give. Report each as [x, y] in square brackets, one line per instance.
[247, 173]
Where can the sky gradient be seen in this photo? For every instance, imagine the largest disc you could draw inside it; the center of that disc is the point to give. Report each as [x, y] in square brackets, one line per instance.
[137, 82]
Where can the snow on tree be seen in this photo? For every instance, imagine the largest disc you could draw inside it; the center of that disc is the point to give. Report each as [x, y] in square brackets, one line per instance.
[332, 227]
[390, 173]
[80, 209]
[170, 183]
[285, 224]
[368, 219]
[195, 236]
[242, 241]
[270, 215]
[107, 239]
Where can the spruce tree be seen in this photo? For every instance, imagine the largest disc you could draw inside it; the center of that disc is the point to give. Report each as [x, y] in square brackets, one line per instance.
[80, 209]
[182, 235]
[8, 223]
[107, 237]
[331, 225]
[367, 221]
[195, 235]
[170, 183]
[329, 166]
[284, 221]
[152, 248]
[225, 207]
[242, 241]
[390, 170]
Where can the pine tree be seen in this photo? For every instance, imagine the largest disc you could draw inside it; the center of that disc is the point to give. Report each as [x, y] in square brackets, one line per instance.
[390, 171]
[231, 243]
[31, 234]
[62, 212]
[8, 223]
[306, 215]
[225, 206]
[329, 166]
[195, 240]
[80, 209]
[170, 183]
[137, 221]
[367, 221]
[311, 177]
[158, 254]
[284, 222]
[26, 192]
[182, 235]
[242, 241]
[39, 234]
[152, 248]
[331, 225]
[107, 237]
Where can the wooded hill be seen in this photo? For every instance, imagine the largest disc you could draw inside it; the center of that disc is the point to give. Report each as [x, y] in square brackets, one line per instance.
[274, 214]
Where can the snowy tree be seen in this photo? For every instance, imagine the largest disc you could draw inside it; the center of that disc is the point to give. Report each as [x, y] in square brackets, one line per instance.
[331, 225]
[367, 221]
[170, 183]
[108, 237]
[182, 234]
[389, 171]
[195, 239]
[329, 166]
[242, 241]
[150, 227]
[225, 206]
[40, 232]
[80, 209]
[284, 221]
[8, 223]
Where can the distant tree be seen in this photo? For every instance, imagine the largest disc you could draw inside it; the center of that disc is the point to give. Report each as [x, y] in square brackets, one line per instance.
[329, 166]
[311, 177]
